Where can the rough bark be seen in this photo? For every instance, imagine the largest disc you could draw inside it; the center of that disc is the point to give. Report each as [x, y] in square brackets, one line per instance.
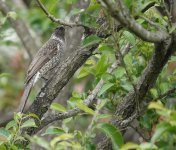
[61, 77]
[122, 14]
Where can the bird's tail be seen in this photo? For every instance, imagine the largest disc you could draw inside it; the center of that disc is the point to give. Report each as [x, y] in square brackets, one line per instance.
[25, 95]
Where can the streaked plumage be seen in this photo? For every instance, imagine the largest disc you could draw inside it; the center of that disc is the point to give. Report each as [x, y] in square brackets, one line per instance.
[48, 56]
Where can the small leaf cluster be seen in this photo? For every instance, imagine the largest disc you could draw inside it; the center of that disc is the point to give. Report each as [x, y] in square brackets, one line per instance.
[11, 135]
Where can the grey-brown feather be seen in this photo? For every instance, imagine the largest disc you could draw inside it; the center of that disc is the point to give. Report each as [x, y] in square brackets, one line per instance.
[44, 58]
[48, 56]
[25, 96]
[52, 63]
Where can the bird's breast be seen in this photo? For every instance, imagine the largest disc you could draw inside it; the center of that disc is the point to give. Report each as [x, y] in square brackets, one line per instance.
[50, 65]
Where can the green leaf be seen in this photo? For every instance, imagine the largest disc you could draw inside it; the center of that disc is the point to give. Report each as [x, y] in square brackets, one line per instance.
[156, 105]
[33, 115]
[127, 86]
[29, 123]
[93, 7]
[148, 146]
[70, 2]
[5, 75]
[63, 137]
[106, 49]
[129, 60]
[129, 146]
[154, 92]
[83, 72]
[74, 11]
[2, 21]
[108, 77]
[160, 131]
[20, 138]
[2, 147]
[105, 87]
[146, 121]
[76, 94]
[53, 130]
[67, 120]
[172, 29]
[113, 133]
[86, 109]
[119, 72]
[88, 20]
[58, 107]
[76, 97]
[164, 87]
[18, 116]
[164, 112]
[103, 116]
[128, 3]
[101, 66]
[63, 143]
[130, 37]
[11, 124]
[73, 100]
[90, 62]
[4, 134]
[41, 142]
[90, 40]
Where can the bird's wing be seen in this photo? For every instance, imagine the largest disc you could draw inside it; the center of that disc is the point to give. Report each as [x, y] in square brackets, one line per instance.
[45, 53]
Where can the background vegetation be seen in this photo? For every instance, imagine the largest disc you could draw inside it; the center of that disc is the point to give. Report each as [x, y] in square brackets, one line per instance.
[115, 87]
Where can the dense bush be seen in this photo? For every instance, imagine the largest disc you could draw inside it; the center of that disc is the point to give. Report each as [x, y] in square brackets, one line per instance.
[122, 69]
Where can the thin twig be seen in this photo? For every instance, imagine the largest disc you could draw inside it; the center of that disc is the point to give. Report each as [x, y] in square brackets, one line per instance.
[94, 118]
[168, 14]
[167, 93]
[56, 20]
[121, 13]
[129, 76]
[129, 119]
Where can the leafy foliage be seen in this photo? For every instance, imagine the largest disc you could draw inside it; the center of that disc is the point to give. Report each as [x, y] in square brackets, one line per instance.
[10, 136]
[81, 131]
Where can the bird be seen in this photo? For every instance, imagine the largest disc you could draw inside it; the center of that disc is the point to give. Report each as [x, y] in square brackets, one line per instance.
[45, 60]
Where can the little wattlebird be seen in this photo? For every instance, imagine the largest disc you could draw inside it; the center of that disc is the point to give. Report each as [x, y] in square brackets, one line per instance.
[45, 60]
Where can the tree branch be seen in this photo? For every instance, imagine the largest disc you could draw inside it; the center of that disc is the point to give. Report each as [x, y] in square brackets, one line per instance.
[121, 14]
[56, 20]
[61, 76]
[88, 101]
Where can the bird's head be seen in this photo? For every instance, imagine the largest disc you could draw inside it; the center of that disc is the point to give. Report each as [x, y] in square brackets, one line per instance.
[59, 33]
